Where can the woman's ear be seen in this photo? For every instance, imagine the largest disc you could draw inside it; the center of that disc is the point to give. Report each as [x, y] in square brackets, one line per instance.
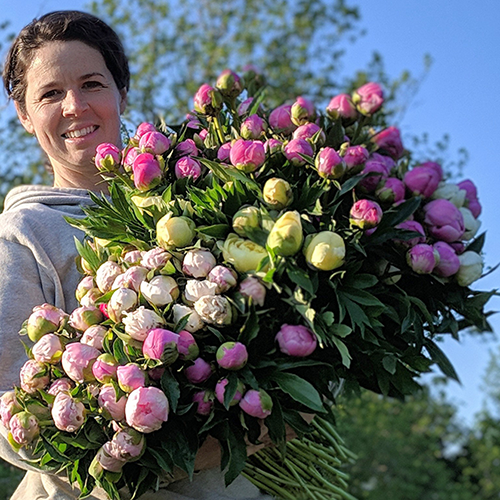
[123, 100]
[24, 118]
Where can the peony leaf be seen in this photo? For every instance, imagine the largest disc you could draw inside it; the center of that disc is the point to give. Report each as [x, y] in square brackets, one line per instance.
[300, 390]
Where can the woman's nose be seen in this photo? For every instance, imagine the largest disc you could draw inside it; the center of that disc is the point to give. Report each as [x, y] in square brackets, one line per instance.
[74, 103]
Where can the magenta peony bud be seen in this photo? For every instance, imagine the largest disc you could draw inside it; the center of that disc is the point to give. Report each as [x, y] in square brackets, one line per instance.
[421, 181]
[392, 191]
[199, 371]
[198, 263]
[60, 385]
[434, 166]
[232, 355]
[34, 376]
[24, 428]
[296, 340]
[8, 407]
[444, 221]
[448, 260]
[247, 156]
[273, 146]
[129, 156]
[295, 148]
[355, 156]
[146, 410]
[48, 349]
[253, 127]
[77, 361]
[244, 106]
[154, 142]
[302, 111]
[106, 275]
[368, 98]
[107, 157]
[341, 106]
[214, 310]
[309, 131]
[144, 128]
[83, 317]
[412, 225]
[280, 119]
[422, 258]
[257, 404]
[224, 151]
[187, 346]
[220, 390]
[94, 336]
[229, 84]
[44, 319]
[138, 323]
[365, 214]
[252, 288]
[161, 345]
[187, 167]
[147, 171]
[112, 408]
[207, 100]
[156, 258]
[378, 167]
[389, 140]
[204, 402]
[186, 148]
[130, 377]
[104, 368]
[68, 414]
[471, 197]
[330, 164]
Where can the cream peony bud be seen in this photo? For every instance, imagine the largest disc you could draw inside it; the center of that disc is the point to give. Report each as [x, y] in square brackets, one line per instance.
[325, 250]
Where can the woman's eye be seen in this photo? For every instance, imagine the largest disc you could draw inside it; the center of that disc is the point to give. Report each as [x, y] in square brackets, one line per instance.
[92, 85]
[50, 94]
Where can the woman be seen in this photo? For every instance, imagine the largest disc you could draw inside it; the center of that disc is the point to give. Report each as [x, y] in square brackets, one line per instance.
[68, 76]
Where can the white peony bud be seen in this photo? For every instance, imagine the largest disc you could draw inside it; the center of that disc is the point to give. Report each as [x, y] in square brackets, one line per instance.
[198, 263]
[194, 321]
[196, 289]
[471, 224]
[106, 275]
[139, 322]
[215, 310]
[160, 291]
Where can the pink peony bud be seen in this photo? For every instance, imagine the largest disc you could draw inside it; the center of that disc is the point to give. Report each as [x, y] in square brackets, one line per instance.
[368, 98]
[229, 84]
[330, 164]
[365, 214]
[133, 277]
[389, 140]
[34, 376]
[128, 444]
[252, 127]
[232, 355]
[252, 288]
[83, 317]
[421, 181]
[147, 171]
[94, 336]
[411, 225]
[444, 221]
[198, 263]
[223, 277]
[144, 128]
[187, 167]
[434, 166]
[67, 413]
[296, 340]
[107, 157]
[422, 258]
[378, 169]
[220, 390]
[24, 428]
[90, 298]
[355, 156]
[156, 258]
[224, 152]
[106, 275]
[199, 371]
[273, 146]
[112, 408]
[77, 361]
[85, 285]
[204, 402]
[207, 100]
[161, 345]
[392, 191]
[154, 142]
[138, 323]
[309, 131]
[295, 148]
[130, 377]
[341, 106]
[302, 111]
[44, 319]
[214, 310]
[471, 197]
[247, 156]
[280, 119]
[245, 106]
[48, 349]
[257, 404]
[8, 407]
[186, 148]
[104, 368]
[448, 260]
[187, 346]
[129, 156]
[104, 460]
[133, 257]
[60, 385]
[146, 410]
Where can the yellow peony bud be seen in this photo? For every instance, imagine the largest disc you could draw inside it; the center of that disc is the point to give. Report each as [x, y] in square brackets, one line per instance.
[277, 193]
[286, 235]
[248, 216]
[174, 232]
[244, 255]
[325, 250]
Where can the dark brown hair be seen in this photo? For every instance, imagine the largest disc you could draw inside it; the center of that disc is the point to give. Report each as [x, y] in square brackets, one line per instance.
[64, 25]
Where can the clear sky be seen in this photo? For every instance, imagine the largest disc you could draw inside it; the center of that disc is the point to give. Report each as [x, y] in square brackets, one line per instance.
[459, 97]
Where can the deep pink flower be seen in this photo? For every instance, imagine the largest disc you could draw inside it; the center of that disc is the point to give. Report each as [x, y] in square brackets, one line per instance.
[330, 164]
[389, 140]
[365, 214]
[187, 148]
[302, 111]
[220, 390]
[224, 151]
[161, 345]
[412, 225]
[295, 148]
[421, 181]
[252, 127]
[247, 155]
[280, 119]
[204, 402]
[207, 100]
[368, 98]
[393, 191]
[143, 128]
[258, 404]
[154, 142]
[308, 131]
[147, 171]
[199, 371]
[232, 355]
[187, 167]
[296, 340]
[341, 106]
[187, 346]
[229, 84]
[355, 156]
[449, 262]
[471, 196]
[379, 168]
[107, 156]
[130, 377]
[444, 220]
[422, 258]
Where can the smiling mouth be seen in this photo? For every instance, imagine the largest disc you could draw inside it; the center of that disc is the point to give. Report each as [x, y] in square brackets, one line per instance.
[73, 134]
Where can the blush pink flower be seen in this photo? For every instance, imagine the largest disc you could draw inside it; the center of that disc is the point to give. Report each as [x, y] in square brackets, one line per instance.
[24, 428]
[77, 361]
[296, 340]
[67, 413]
[130, 377]
[257, 404]
[280, 119]
[48, 349]
[368, 98]
[34, 376]
[154, 142]
[113, 408]
[146, 409]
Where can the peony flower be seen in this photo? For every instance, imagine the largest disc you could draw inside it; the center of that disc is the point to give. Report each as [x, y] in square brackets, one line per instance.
[472, 201]
[161, 345]
[471, 268]
[252, 127]
[67, 413]
[325, 250]
[83, 317]
[365, 214]
[48, 349]
[280, 119]
[286, 237]
[273, 146]
[199, 371]
[154, 142]
[378, 170]
[44, 319]
[224, 151]
[207, 100]
[160, 290]
[214, 310]
[355, 156]
[229, 84]
[451, 192]
[448, 262]
[127, 444]
[422, 258]
[147, 171]
[341, 106]
[112, 407]
[144, 128]
[220, 390]
[174, 232]
[187, 346]
[392, 191]
[310, 131]
[198, 263]
[368, 98]
[204, 402]
[421, 181]
[85, 285]
[244, 255]
[146, 410]
[156, 258]
[138, 323]
[257, 404]
[471, 224]
[8, 407]
[187, 167]
[246, 217]
[104, 368]
[232, 355]
[94, 336]
[105, 460]
[196, 289]
[277, 194]
[186, 148]
[24, 428]
[294, 150]
[121, 301]
[129, 155]
[296, 340]
[90, 298]
[302, 111]
[77, 361]
[247, 156]
[253, 289]
[330, 164]
[107, 157]
[194, 322]
[106, 275]
[61, 385]
[412, 225]
[389, 140]
[130, 377]
[223, 277]
[133, 277]
[444, 221]
[34, 376]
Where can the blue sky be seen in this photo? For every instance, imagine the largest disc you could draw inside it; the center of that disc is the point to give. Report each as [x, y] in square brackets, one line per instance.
[459, 97]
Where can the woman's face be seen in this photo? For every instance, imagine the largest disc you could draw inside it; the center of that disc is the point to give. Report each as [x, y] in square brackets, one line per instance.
[72, 106]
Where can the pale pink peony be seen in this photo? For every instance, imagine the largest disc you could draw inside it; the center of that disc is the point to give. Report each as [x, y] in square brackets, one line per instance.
[77, 361]
[138, 322]
[130, 377]
[198, 263]
[122, 301]
[223, 277]
[44, 319]
[94, 336]
[67, 413]
[106, 274]
[34, 376]
[8, 407]
[156, 258]
[104, 368]
[128, 444]
[252, 288]
[24, 428]
[146, 410]
[48, 349]
[160, 290]
[112, 408]
[61, 385]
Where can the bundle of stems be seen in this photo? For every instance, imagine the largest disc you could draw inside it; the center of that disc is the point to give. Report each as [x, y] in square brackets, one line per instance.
[310, 468]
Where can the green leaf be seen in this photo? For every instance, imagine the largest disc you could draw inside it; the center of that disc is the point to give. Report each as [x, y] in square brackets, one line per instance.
[362, 297]
[250, 329]
[216, 231]
[438, 356]
[171, 388]
[389, 363]
[300, 390]
[163, 459]
[477, 244]
[340, 330]
[301, 278]
[361, 281]
[237, 454]
[344, 352]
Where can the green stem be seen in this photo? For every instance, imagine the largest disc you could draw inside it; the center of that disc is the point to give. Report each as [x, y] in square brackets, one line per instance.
[218, 129]
[256, 470]
[269, 486]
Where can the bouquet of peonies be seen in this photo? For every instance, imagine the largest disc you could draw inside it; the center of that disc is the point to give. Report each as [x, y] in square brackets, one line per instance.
[246, 266]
